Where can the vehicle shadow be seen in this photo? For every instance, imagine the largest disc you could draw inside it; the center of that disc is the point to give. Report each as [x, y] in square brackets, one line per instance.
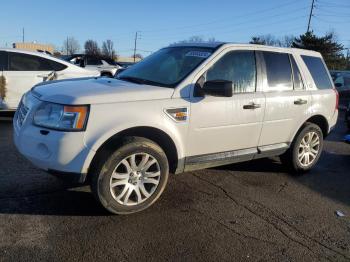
[66, 202]
[330, 177]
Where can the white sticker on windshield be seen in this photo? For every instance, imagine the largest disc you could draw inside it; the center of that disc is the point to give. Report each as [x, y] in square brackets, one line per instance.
[198, 54]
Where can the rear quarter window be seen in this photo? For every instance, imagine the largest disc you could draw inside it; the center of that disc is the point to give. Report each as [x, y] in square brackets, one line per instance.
[318, 72]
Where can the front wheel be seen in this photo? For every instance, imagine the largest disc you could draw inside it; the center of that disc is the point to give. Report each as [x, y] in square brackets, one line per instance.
[305, 150]
[132, 178]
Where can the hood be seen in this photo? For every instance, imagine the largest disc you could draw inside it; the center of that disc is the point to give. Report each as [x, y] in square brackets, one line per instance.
[98, 91]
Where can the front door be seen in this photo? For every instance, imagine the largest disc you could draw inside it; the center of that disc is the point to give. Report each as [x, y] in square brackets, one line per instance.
[222, 124]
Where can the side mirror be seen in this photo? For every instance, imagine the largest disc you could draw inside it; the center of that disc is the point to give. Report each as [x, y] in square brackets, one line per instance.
[218, 88]
[338, 85]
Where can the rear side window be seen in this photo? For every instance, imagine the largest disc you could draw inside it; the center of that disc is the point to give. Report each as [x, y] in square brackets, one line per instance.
[298, 81]
[55, 66]
[24, 62]
[278, 71]
[93, 61]
[318, 72]
[3, 61]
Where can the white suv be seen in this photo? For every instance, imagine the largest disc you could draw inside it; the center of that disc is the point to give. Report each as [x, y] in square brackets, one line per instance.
[106, 67]
[23, 69]
[185, 107]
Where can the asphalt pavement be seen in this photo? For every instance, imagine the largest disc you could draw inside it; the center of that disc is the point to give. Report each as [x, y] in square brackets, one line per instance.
[253, 211]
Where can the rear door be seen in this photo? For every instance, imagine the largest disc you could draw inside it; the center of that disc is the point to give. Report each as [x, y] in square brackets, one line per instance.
[24, 71]
[287, 99]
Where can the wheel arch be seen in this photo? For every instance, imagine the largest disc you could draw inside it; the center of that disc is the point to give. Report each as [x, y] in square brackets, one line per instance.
[155, 134]
[318, 120]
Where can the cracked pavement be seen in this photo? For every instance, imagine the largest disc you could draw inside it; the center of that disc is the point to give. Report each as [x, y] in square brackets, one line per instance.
[252, 211]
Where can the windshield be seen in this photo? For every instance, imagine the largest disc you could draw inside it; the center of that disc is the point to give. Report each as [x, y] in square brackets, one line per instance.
[167, 67]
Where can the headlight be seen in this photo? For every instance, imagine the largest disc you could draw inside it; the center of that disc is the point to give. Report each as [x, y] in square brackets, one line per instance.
[61, 117]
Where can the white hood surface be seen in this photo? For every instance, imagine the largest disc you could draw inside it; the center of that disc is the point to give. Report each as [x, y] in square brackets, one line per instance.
[98, 91]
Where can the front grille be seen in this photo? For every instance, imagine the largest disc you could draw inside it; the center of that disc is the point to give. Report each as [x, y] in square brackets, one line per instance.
[21, 114]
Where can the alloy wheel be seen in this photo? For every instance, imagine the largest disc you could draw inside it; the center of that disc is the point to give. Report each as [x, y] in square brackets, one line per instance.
[135, 179]
[309, 149]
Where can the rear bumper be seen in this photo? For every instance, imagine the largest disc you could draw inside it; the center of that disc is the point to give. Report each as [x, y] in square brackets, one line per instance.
[333, 121]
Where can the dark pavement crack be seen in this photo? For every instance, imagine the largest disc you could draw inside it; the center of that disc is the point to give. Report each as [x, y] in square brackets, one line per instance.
[275, 225]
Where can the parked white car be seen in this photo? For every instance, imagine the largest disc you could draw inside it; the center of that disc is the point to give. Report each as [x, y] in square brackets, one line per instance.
[24, 69]
[183, 108]
[106, 67]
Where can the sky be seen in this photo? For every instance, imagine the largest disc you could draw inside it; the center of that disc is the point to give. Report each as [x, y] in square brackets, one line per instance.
[162, 22]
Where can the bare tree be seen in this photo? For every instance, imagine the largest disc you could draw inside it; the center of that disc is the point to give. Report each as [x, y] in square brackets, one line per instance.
[196, 39]
[70, 46]
[108, 49]
[138, 56]
[91, 48]
[271, 40]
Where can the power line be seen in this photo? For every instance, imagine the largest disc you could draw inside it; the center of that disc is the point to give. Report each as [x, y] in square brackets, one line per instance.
[241, 28]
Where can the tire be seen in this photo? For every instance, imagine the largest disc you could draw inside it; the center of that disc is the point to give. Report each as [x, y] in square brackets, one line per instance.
[132, 178]
[294, 158]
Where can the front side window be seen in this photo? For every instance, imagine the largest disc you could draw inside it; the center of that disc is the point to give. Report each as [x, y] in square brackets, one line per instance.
[278, 71]
[318, 71]
[238, 67]
[167, 67]
[24, 62]
[3, 61]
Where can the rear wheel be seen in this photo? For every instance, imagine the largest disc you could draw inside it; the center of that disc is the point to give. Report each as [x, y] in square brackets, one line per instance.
[305, 150]
[132, 178]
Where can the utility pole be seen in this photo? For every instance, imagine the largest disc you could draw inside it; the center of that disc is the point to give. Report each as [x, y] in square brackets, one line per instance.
[23, 35]
[67, 45]
[311, 11]
[135, 45]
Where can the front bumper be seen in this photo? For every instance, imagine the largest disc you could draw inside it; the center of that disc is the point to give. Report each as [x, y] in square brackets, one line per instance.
[51, 150]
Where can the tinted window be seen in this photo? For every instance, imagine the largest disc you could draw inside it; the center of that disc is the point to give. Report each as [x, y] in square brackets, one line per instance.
[55, 66]
[93, 61]
[318, 72]
[278, 71]
[298, 81]
[24, 62]
[3, 61]
[238, 67]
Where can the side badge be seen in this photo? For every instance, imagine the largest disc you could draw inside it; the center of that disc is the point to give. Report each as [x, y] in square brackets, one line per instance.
[178, 114]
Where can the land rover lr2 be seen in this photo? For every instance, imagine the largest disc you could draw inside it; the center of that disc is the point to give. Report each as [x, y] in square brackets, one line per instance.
[183, 108]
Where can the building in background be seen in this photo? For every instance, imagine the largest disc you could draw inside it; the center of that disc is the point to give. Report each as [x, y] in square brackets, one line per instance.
[127, 59]
[34, 47]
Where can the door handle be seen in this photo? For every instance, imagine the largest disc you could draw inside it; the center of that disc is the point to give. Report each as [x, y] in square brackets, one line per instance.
[251, 106]
[300, 102]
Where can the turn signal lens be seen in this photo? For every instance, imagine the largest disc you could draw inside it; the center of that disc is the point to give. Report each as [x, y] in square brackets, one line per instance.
[178, 114]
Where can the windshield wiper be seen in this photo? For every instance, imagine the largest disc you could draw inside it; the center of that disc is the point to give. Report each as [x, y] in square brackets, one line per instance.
[140, 81]
[132, 79]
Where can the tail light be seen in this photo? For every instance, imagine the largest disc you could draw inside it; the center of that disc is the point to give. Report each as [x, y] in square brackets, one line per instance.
[337, 99]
